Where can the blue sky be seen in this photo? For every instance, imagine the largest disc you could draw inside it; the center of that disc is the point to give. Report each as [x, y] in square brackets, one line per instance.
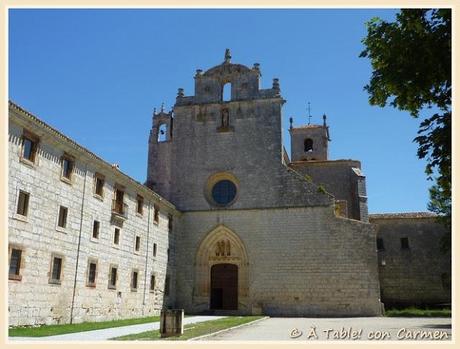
[96, 75]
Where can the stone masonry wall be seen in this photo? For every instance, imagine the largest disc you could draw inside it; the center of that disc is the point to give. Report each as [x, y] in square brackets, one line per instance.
[412, 275]
[32, 299]
[252, 152]
[339, 179]
[302, 261]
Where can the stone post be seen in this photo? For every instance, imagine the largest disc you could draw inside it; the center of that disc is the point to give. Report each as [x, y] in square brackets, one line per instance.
[171, 322]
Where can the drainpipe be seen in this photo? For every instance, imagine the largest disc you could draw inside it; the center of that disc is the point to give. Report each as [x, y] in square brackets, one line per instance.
[146, 257]
[78, 247]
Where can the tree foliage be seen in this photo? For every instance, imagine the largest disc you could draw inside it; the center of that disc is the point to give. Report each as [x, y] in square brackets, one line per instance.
[411, 61]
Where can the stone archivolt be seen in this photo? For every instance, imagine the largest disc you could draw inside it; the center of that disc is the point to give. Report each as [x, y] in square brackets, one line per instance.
[220, 245]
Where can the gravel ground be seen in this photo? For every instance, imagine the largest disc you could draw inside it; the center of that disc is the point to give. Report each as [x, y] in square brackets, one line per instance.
[340, 329]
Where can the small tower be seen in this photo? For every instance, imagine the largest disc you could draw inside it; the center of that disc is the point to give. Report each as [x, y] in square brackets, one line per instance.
[309, 142]
[160, 143]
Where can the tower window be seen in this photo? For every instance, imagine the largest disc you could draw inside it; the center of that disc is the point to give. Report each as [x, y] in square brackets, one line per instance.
[227, 92]
[308, 145]
[162, 133]
[404, 243]
[380, 246]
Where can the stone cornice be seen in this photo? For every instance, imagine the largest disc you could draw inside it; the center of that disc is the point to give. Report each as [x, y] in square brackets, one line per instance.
[27, 117]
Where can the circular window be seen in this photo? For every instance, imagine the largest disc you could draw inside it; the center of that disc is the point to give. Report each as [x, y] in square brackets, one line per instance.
[223, 192]
[221, 189]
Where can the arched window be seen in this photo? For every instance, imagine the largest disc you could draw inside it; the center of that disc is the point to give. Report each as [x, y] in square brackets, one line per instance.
[162, 133]
[308, 145]
[227, 92]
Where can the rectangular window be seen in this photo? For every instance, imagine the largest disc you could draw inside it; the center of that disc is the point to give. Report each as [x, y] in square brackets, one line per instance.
[152, 282]
[96, 225]
[92, 270]
[15, 264]
[154, 250]
[116, 236]
[404, 243]
[134, 280]
[170, 222]
[118, 202]
[68, 165]
[156, 213]
[137, 245]
[99, 184]
[56, 269]
[380, 246]
[167, 255]
[23, 203]
[28, 149]
[167, 286]
[29, 146]
[62, 219]
[113, 277]
[140, 204]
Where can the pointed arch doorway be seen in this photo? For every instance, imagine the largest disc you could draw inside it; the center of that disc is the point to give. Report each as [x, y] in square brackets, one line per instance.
[221, 273]
[224, 287]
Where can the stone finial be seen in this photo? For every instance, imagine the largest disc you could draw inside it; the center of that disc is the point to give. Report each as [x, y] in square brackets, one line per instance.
[198, 72]
[324, 120]
[180, 92]
[154, 111]
[162, 107]
[276, 84]
[290, 122]
[256, 66]
[228, 56]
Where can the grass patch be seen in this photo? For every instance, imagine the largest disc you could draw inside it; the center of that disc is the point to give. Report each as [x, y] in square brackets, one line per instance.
[52, 330]
[418, 312]
[193, 330]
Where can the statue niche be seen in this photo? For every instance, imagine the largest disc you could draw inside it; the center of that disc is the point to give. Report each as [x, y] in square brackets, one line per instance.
[224, 121]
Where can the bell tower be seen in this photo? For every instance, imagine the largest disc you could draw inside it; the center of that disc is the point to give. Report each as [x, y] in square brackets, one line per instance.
[309, 142]
[159, 156]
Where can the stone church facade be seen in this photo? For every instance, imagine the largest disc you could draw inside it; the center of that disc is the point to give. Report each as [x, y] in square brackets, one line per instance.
[227, 222]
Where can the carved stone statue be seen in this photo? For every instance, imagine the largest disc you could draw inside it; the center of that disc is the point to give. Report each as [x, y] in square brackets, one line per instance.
[227, 248]
[223, 248]
[228, 56]
[225, 118]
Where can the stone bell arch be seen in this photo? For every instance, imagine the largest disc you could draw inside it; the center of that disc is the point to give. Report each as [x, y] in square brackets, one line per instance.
[220, 246]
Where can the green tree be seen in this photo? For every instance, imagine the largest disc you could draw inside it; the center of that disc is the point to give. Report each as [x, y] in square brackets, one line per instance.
[411, 61]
